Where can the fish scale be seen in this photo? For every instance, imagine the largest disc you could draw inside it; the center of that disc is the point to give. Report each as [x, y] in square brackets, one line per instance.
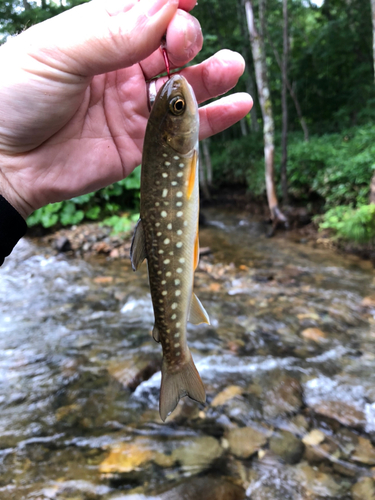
[167, 234]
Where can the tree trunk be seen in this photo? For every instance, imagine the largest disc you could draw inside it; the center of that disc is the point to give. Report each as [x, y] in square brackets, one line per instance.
[292, 93]
[373, 33]
[257, 46]
[26, 5]
[284, 106]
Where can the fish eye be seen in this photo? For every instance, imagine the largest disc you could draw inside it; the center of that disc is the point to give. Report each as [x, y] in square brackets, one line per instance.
[177, 105]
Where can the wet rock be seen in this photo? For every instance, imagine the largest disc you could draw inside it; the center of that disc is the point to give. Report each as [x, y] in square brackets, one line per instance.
[369, 301]
[198, 454]
[314, 334]
[227, 394]
[103, 280]
[287, 446]
[364, 452]
[282, 396]
[364, 489]
[127, 457]
[345, 413]
[62, 244]
[314, 438]
[205, 488]
[135, 370]
[319, 483]
[245, 441]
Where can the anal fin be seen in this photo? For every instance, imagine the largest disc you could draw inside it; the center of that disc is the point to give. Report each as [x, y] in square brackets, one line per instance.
[177, 384]
[197, 313]
[138, 246]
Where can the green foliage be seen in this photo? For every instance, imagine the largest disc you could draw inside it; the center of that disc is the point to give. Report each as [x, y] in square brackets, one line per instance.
[121, 223]
[93, 206]
[351, 224]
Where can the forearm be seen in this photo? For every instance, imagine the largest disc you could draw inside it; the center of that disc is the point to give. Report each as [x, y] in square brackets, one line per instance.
[12, 228]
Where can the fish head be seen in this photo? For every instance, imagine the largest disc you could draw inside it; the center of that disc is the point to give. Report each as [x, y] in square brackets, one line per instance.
[175, 114]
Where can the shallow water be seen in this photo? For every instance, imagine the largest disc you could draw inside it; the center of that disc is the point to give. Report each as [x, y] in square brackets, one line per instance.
[288, 363]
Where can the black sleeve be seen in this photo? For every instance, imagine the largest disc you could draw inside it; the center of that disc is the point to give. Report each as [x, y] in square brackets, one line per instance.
[12, 228]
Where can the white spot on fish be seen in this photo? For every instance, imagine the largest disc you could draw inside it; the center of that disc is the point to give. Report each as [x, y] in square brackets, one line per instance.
[177, 293]
[165, 175]
[166, 241]
[166, 203]
[179, 244]
[177, 344]
[182, 260]
[174, 316]
[174, 183]
[163, 213]
[176, 157]
[168, 274]
[178, 353]
[180, 174]
[179, 270]
[179, 194]
[157, 224]
[163, 282]
[161, 251]
[159, 272]
[164, 292]
[167, 163]
[174, 305]
[165, 155]
[179, 204]
[177, 282]
[178, 324]
[179, 214]
[161, 301]
[170, 253]
[166, 261]
[181, 165]
[179, 232]
[177, 335]
[164, 193]
[157, 204]
[158, 234]
[185, 222]
[169, 226]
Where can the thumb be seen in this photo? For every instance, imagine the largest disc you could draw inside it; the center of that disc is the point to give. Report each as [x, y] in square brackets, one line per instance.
[91, 39]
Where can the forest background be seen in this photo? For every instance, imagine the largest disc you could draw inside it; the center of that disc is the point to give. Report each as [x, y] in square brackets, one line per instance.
[319, 73]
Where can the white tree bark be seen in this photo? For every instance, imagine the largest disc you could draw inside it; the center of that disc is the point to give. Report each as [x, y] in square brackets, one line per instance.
[259, 58]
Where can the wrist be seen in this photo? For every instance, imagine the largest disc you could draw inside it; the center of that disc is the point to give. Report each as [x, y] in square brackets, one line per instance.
[15, 200]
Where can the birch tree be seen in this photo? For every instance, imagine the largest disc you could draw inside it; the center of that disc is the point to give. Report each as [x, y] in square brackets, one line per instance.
[259, 58]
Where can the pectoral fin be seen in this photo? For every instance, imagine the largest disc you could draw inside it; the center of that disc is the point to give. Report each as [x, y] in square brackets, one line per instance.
[197, 312]
[156, 334]
[192, 176]
[138, 246]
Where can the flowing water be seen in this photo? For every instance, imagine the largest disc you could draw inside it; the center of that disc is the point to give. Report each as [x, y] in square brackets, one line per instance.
[288, 363]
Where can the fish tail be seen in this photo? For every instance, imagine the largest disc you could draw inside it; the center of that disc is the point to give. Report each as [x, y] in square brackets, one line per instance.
[177, 384]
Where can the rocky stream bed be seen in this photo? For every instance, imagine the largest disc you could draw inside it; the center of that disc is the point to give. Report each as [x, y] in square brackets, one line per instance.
[288, 364]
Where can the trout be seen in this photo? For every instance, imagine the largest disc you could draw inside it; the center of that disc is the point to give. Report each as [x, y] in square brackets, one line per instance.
[167, 235]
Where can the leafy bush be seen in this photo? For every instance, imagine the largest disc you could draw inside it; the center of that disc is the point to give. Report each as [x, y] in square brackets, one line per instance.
[93, 206]
[352, 224]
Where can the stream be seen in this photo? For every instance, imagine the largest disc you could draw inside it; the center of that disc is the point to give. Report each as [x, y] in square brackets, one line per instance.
[288, 363]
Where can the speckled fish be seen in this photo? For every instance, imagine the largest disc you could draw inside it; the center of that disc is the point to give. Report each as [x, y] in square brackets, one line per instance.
[167, 235]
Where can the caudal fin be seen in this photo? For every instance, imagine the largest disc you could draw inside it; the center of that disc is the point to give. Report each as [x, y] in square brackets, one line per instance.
[176, 385]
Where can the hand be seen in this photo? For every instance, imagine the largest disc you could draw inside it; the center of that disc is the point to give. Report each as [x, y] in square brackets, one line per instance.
[73, 98]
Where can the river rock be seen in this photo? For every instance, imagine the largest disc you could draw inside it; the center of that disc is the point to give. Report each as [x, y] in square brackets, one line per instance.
[127, 457]
[286, 446]
[314, 334]
[135, 370]
[205, 488]
[314, 438]
[319, 484]
[364, 452]
[198, 454]
[342, 412]
[368, 301]
[227, 394]
[282, 396]
[364, 489]
[245, 441]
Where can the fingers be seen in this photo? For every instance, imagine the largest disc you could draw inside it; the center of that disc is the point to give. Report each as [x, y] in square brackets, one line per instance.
[214, 76]
[184, 41]
[107, 42]
[221, 114]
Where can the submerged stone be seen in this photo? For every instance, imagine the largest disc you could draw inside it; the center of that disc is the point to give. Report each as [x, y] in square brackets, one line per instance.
[286, 446]
[364, 489]
[245, 441]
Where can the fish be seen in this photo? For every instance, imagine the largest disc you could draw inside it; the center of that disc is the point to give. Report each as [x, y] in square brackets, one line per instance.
[166, 235]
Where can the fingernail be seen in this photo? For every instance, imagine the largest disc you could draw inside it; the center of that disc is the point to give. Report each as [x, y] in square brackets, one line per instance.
[192, 32]
[151, 7]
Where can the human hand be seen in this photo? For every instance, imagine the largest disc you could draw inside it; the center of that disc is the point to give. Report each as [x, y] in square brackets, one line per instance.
[73, 98]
